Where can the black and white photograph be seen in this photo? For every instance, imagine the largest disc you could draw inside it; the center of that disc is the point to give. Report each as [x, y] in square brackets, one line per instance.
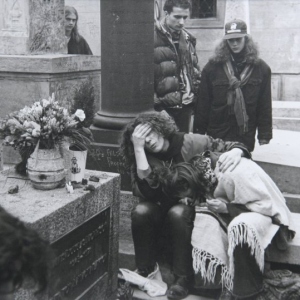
[149, 149]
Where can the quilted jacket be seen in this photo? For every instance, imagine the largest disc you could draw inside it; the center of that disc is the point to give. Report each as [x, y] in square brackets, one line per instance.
[167, 68]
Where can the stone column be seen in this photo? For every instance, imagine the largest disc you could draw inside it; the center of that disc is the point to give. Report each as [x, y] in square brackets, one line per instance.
[32, 26]
[126, 61]
[238, 9]
[126, 78]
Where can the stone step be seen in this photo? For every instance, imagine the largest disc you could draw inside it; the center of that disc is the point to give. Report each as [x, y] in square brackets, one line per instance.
[281, 159]
[287, 109]
[292, 254]
[139, 295]
[293, 202]
[286, 123]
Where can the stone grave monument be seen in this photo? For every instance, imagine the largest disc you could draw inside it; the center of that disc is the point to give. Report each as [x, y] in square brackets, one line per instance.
[83, 229]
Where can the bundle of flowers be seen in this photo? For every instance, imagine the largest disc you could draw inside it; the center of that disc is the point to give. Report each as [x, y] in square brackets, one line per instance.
[45, 122]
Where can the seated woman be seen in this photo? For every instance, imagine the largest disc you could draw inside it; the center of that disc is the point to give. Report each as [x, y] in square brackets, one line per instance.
[23, 256]
[244, 212]
[151, 141]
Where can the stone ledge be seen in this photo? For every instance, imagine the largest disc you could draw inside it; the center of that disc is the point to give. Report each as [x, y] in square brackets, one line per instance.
[286, 109]
[49, 63]
[53, 212]
[281, 159]
[283, 149]
[286, 123]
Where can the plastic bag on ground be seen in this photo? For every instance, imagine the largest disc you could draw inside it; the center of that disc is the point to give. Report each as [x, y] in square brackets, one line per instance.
[153, 285]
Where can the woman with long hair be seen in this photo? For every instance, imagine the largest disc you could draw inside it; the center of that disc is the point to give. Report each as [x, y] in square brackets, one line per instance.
[235, 91]
[152, 141]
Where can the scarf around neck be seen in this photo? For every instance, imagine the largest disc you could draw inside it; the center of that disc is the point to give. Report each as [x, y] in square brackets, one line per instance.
[235, 98]
[204, 164]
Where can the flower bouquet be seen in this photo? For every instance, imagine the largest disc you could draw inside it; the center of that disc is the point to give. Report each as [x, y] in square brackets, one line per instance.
[44, 124]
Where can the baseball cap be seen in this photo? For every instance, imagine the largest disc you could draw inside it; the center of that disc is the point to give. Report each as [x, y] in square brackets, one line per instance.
[235, 29]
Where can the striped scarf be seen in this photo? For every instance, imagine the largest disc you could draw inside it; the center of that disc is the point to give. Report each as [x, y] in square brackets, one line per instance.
[235, 98]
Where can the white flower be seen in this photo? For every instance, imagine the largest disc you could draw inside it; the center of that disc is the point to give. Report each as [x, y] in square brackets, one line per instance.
[45, 102]
[52, 122]
[36, 133]
[26, 110]
[52, 98]
[27, 124]
[36, 126]
[37, 109]
[79, 113]
[32, 125]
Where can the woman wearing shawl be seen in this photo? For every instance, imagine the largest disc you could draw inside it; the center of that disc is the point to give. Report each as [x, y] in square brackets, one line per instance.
[235, 91]
[244, 212]
[150, 142]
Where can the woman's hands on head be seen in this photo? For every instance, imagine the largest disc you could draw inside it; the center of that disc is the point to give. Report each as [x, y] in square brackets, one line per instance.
[139, 135]
[229, 160]
[138, 139]
[217, 206]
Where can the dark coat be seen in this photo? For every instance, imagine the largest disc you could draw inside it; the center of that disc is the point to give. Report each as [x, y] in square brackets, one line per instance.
[80, 47]
[167, 68]
[212, 117]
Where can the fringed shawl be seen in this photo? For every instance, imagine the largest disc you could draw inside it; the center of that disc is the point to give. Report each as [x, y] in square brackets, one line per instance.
[249, 185]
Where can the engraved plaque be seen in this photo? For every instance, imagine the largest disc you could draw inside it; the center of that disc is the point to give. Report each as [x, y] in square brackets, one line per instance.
[108, 158]
[81, 258]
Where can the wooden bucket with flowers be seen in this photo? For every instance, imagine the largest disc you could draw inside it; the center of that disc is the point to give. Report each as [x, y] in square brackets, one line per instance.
[46, 168]
[38, 131]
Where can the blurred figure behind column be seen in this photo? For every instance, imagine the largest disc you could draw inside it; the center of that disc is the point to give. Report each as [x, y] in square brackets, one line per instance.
[77, 44]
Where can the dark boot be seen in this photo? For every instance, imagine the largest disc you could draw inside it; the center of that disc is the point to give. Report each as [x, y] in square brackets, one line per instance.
[180, 289]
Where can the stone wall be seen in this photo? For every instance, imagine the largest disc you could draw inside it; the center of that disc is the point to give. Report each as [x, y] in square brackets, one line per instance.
[89, 21]
[275, 25]
[32, 26]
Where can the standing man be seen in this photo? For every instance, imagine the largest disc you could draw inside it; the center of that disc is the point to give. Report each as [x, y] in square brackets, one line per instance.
[235, 91]
[176, 70]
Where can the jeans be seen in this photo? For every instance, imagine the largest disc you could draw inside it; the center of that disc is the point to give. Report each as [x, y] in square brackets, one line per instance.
[148, 219]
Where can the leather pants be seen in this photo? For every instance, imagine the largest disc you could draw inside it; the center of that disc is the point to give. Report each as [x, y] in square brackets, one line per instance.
[148, 219]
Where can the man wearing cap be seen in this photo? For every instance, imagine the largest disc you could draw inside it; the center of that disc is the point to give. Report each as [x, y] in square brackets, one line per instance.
[235, 91]
[176, 70]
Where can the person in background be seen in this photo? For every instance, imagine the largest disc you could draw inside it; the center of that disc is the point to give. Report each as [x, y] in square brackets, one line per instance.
[77, 44]
[176, 70]
[235, 91]
[150, 142]
[23, 256]
[242, 213]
